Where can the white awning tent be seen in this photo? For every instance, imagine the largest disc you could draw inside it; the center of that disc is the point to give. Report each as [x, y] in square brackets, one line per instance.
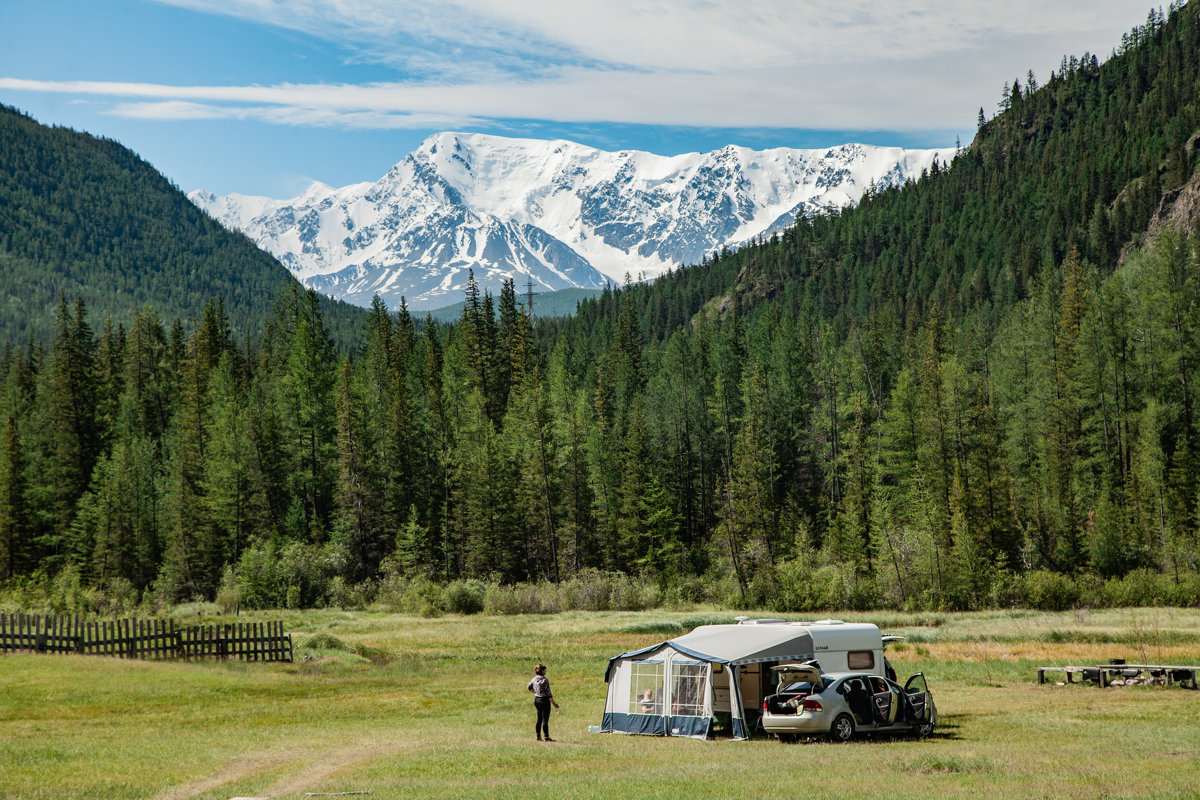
[676, 688]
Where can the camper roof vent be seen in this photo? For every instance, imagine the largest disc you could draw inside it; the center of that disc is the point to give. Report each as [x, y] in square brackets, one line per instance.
[829, 622]
[745, 621]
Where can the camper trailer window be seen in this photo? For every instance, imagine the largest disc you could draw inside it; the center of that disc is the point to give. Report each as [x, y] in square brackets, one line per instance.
[687, 690]
[646, 687]
[860, 659]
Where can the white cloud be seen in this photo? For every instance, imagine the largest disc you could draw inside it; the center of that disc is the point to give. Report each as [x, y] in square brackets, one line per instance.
[705, 36]
[289, 115]
[835, 64]
[763, 99]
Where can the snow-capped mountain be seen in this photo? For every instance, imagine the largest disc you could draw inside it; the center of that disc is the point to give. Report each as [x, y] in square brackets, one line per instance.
[554, 212]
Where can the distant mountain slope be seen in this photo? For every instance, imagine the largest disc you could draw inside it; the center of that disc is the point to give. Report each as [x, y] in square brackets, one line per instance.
[87, 217]
[562, 303]
[554, 212]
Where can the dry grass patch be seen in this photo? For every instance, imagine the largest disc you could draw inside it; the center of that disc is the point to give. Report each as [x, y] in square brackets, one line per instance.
[1048, 654]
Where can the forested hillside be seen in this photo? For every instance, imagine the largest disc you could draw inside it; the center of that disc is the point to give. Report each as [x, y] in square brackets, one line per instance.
[85, 217]
[1081, 162]
[974, 390]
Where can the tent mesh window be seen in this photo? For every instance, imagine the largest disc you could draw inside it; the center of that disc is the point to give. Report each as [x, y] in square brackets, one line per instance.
[687, 697]
[646, 687]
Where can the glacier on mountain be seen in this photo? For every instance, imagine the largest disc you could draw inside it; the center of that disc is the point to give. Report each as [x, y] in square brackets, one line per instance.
[554, 213]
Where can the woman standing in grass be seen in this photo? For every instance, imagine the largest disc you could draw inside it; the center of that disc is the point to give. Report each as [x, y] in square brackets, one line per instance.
[542, 700]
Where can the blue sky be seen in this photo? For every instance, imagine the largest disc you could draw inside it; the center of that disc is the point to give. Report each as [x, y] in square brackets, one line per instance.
[266, 96]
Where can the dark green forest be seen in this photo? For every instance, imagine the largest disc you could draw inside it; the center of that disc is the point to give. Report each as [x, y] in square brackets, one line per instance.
[974, 390]
[86, 217]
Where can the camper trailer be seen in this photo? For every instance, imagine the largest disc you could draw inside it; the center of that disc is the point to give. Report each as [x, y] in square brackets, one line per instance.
[849, 646]
[715, 678]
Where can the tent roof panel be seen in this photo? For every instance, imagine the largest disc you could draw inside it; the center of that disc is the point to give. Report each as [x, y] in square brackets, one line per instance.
[744, 644]
[737, 644]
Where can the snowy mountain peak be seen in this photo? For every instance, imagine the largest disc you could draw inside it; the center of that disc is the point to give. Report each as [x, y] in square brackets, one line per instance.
[557, 213]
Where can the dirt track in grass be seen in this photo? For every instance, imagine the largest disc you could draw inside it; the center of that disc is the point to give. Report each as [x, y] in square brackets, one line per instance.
[300, 772]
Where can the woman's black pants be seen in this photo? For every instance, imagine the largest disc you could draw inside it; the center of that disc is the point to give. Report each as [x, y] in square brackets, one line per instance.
[543, 716]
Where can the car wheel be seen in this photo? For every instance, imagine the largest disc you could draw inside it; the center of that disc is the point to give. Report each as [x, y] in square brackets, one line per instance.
[843, 728]
[786, 738]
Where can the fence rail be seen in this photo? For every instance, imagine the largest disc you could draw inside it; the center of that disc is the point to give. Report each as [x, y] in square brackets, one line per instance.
[145, 638]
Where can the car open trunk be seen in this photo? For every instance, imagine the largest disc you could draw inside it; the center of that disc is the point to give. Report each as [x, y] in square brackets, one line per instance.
[793, 682]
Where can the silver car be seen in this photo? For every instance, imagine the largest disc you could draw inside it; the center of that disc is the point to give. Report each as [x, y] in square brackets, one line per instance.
[808, 703]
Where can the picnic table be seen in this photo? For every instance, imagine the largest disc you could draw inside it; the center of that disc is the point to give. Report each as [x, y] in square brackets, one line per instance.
[1182, 674]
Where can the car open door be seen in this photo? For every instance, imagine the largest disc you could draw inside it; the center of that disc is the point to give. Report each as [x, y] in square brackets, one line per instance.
[858, 695]
[916, 694]
[883, 704]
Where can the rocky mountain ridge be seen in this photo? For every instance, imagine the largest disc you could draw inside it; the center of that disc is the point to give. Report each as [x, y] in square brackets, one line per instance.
[554, 213]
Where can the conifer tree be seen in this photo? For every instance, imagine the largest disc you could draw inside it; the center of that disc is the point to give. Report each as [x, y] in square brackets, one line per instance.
[151, 378]
[197, 546]
[357, 523]
[481, 501]
[69, 428]
[440, 445]
[308, 418]
[228, 480]
[854, 544]
[15, 517]
[411, 554]
[1064, 434]
[568, 411]
[121, 517]
[746, 509]
[528, 435]
[110, 363]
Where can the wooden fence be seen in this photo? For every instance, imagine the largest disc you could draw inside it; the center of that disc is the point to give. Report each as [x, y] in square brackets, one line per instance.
[145, 638]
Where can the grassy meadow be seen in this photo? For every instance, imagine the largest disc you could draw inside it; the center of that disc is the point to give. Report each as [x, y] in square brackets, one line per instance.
[437, 708]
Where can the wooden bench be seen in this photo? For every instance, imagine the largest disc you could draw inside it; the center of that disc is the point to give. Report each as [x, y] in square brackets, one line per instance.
[1068, 672]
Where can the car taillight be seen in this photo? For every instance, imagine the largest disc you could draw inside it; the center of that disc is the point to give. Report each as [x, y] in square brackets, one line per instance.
[811, 705]
[764, 705]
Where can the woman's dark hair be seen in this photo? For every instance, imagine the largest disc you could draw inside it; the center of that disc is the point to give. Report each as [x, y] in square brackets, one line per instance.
[540, 669]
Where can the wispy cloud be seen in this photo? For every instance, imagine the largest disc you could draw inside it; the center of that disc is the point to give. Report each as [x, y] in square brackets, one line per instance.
[289, 115]
[765, 99]
[747, 63]
[706, 36]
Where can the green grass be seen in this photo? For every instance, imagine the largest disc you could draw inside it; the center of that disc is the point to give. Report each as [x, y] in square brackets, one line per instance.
[437, 708]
